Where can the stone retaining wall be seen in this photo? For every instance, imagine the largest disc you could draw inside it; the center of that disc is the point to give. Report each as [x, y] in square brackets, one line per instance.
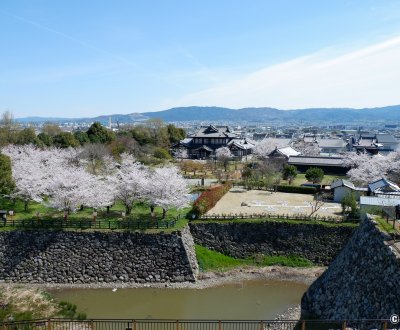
[318, 243]
[80, 257]
[363, 282]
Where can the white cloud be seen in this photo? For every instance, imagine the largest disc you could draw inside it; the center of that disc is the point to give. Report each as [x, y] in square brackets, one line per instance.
[367, 77]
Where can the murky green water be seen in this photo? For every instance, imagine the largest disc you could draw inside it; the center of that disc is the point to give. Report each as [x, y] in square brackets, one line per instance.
[245, 300]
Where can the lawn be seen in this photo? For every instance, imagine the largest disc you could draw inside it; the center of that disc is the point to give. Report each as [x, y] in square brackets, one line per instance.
[140, 212]
[301, 178]
[210, 260]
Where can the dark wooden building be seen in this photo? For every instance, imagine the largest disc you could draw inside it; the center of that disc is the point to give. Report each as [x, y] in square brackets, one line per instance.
[208, 139]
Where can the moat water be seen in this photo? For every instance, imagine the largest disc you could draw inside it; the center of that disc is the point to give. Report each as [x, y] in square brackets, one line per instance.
[255, 300]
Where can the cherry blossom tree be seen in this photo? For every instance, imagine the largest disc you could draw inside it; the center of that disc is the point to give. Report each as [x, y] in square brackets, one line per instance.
[167, 189]
[306, 148]
[29, 172]
[223, 155]
[263, 148]
[365, 168]
[129, 181]
[69, 188]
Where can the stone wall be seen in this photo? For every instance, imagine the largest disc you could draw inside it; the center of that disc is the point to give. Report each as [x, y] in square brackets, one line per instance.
[188, 244]
[363, 282]
[92, 257]
[318, 243]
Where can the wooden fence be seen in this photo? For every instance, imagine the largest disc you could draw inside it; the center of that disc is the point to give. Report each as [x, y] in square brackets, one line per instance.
[89, 224]
[273, 216]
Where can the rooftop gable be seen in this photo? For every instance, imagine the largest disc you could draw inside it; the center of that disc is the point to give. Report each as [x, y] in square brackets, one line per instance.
[383, 185]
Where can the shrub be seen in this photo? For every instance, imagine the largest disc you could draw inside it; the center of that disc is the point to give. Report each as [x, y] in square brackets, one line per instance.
[209, 198]
[297, 189]
[161, 153]
[289, 172]
[314, 174]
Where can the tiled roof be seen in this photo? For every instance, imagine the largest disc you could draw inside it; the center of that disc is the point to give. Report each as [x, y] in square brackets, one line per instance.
[242, 143]
[386, 138]
[381, 183]
[379, 201]
[288, 151]
[214, 131]
[340, 183]
[310, 160]
[332, 143]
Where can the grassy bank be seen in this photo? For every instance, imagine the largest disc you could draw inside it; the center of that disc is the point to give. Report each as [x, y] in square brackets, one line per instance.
[210, 260]
[386, 226]
[23, 303]
[140, 212]
[301, 179]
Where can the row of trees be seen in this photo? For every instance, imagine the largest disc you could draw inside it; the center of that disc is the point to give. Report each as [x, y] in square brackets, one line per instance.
[149, 142]
[64, 179]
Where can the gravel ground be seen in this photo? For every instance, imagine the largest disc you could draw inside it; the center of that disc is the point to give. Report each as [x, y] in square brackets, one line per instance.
[259, 201]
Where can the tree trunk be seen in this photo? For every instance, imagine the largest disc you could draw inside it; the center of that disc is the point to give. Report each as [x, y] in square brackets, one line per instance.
[152, 207]
[164, 213]
[108, 208]
[26, 202]
[128, 209]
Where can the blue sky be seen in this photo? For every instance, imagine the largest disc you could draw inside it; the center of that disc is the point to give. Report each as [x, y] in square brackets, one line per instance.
[84, 58]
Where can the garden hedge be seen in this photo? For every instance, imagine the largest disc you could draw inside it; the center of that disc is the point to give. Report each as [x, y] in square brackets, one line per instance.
[209, 198]
[297, 189]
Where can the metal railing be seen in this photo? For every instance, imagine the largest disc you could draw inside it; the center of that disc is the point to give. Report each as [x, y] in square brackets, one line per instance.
[88, 224]
[105, 324]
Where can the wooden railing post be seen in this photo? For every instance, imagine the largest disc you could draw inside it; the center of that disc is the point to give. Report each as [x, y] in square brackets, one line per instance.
[134, 325]
[303, 325]
[219, 325]
[49, 324]
[385, 325]
[261, 325]
[344, 325]
[92, 325]
[177, 325]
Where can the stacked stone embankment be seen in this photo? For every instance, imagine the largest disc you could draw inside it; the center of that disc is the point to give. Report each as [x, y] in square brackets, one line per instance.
[95, 257]
[363, 282]
[316, 242]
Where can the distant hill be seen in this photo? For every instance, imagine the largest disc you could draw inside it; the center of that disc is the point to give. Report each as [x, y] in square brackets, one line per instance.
[391, 113]
[213, 114]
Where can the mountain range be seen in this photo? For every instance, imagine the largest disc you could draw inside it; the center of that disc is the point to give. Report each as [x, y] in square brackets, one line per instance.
[263, 115]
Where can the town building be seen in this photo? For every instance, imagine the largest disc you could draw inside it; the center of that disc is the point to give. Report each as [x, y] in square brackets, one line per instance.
[332, 146]
[204, 143]
[382, 143]
[330, 165]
